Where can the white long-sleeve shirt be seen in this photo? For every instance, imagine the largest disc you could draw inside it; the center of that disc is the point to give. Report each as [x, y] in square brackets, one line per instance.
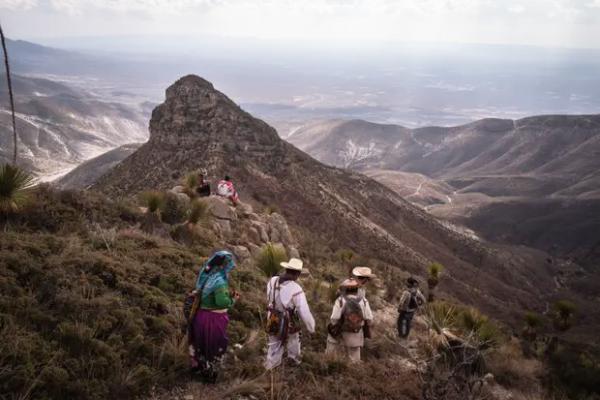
[291, 296]
[338, 306]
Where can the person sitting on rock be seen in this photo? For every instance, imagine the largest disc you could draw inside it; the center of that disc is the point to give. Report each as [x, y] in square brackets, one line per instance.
[350, 321]
[363, 276]
[410, 301]
[226, 189]
[203, 186]
[286, 306]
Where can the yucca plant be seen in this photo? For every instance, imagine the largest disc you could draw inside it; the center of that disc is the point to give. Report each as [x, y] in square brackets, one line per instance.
[152, 200]
[190, 182]
[198, 211]
[15, 188]
[564, 311]
[532, 322]
[479, 327]
[434, 272]
[269, 258]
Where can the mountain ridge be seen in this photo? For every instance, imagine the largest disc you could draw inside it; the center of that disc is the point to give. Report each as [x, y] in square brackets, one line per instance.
[199, 127]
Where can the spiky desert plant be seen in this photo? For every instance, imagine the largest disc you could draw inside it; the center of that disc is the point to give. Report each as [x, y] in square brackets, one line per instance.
[198, 211]
[190, 182]
[152, 200]
[269, 257]
[15, 188]
[434, 271]
[532, 322]
[173, 209]
[10, 95]
[478, 326]
[564, 311]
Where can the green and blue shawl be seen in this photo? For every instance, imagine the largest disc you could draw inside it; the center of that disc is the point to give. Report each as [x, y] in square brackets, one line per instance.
[213, 277]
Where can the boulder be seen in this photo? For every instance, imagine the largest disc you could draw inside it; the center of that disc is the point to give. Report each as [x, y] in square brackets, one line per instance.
[293, 252]
[220, 209]
[262, 231]
[222, 227]
[241, 252]
[254, 249]
[178, 189]
[244, 209]
[280, 232]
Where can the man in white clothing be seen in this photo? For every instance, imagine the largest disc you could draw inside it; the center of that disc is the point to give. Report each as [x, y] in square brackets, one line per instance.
[352, 315]
[287, 300]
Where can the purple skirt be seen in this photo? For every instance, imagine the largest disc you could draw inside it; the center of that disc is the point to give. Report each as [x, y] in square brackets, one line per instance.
[209, 334]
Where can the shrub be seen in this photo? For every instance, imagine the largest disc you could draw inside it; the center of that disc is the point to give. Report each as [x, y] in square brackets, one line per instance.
[15, 186]
[564, 312]
[153, 200]
[198, 211]
[269, 258]
[173, 210]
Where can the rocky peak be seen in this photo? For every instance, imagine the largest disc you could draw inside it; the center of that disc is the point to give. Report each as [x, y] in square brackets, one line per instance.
[196, 114]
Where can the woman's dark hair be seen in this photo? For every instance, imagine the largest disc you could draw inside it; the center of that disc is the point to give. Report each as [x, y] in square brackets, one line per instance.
[227, 178]
[217, 260]
[412, 282]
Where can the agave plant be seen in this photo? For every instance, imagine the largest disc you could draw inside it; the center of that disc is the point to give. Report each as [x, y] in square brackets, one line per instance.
[15, 188]
[153, 200]
[532, 322]
[564, 311]
[269, 258]
[433, 278]
[190, 182]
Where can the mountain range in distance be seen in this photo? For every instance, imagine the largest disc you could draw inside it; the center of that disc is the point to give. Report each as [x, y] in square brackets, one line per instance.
[533, 181]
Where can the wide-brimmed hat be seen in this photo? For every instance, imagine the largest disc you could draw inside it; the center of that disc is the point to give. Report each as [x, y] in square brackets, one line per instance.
[349, 284]
[363, 272]
[294, 264]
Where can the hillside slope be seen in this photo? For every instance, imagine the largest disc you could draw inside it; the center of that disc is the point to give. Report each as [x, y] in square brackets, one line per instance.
[199, 127]
[60, 127]
[472, 171]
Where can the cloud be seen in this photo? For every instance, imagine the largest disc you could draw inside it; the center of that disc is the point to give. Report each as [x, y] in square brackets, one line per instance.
[18, 4]
[153, 7]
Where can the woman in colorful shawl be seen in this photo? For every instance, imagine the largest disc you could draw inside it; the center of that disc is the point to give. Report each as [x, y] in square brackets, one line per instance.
[209, 326]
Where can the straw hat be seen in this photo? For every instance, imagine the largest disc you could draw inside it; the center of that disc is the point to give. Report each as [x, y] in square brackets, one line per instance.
[349, 284]
[363, 272]
[294, 264]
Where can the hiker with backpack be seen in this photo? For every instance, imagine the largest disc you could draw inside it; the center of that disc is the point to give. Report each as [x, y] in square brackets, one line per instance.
[350, 322]
[410, 301]
[206, 312]
[363, 276]
[226, 189]
[287, 305]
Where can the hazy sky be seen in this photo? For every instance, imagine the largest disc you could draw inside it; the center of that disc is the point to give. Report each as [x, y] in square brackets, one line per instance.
[566, 23]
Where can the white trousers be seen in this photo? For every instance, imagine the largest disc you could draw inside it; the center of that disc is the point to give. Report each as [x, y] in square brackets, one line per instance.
[337, 347]
[275, 350]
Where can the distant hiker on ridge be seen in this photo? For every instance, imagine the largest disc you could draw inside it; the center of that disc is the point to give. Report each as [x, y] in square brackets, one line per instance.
[203, 187]
[208, 317]
[286, 306]
[226, 189]
[350, 321]
[410, 301]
